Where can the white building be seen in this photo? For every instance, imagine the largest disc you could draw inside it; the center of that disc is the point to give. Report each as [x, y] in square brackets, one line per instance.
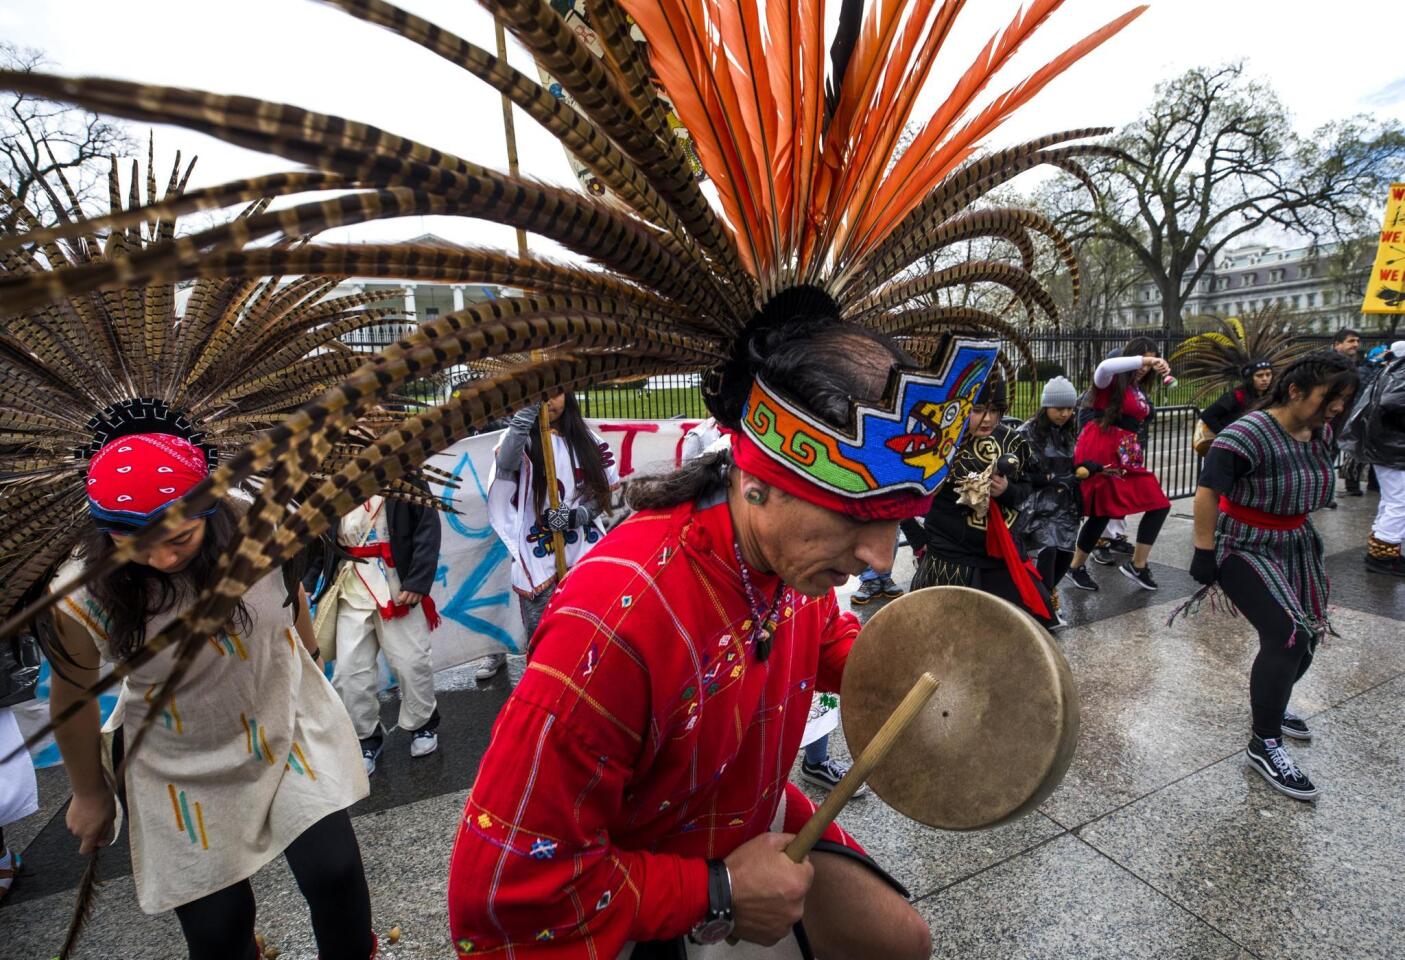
[1254, 276]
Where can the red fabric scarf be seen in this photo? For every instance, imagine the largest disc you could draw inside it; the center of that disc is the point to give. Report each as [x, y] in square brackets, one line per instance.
[999, 543]
[392, 610]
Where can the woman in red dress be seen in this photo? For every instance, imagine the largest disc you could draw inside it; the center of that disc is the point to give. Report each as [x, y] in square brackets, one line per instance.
[1119, 483]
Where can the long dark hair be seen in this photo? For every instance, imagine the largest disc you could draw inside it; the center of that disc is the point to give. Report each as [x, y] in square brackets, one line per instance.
[134, 593]
[1136, 347]
[826, 363]
[585, 455]
[1312, 371]
[1042, 430]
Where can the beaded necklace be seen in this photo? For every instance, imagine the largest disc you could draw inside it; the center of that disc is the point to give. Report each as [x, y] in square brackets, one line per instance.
[765, 619]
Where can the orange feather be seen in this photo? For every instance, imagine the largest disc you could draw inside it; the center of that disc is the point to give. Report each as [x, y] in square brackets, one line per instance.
[936, 164]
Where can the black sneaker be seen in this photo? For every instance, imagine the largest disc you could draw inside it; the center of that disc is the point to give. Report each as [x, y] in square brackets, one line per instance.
[1141, 577]
[1354, 492]
[1295, 726]
[1270, 758]
[371, 749]
[1082, 579]
[868, 591]
[1331, 504]
[1121, 545]
[1394, 566]
[890, 589]
[1103, 555]
[827, 774]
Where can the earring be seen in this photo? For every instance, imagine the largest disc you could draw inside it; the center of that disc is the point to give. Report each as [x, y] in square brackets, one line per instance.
[756, 496]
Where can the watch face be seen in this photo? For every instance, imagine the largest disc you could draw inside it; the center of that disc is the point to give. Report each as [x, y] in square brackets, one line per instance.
[712, 931]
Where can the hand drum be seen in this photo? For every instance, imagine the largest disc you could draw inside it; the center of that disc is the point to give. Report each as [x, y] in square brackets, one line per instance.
[997, 736]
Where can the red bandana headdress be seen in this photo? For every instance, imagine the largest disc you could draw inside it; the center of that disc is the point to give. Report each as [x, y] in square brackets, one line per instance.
[132, 479]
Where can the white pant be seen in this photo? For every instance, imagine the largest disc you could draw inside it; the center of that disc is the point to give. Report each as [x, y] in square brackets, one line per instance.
[361, 634]
[1390, 516]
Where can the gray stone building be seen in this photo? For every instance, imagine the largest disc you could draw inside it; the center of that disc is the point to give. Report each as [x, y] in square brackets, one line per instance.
[1303, 281]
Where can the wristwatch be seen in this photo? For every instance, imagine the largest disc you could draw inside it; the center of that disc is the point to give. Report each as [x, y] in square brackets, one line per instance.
[717, 925]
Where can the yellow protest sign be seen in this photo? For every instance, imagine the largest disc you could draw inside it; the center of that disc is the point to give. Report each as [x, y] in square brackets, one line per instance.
[1385, 291]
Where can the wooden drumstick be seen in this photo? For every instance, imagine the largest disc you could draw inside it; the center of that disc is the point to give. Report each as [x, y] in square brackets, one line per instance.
[872, 756]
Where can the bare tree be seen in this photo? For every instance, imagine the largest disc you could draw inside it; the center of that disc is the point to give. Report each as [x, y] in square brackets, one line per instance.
[1214, 158]
[40, 138]
[1108, 275]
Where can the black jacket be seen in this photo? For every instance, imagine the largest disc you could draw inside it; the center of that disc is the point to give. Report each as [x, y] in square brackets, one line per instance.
[1375, 431]
[1231, 405]
[951, 531]
[414, 546]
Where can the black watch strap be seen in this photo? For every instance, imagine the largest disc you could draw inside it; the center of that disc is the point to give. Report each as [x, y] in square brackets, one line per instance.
[719, 891]
[717, 925]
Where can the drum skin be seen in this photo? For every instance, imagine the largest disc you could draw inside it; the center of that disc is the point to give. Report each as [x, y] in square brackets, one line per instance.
[1001, 730]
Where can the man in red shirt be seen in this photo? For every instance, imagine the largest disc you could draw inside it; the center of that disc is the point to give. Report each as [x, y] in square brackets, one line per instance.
[635, 789]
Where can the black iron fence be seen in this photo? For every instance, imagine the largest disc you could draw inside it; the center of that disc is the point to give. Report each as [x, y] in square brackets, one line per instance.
[1074, 355]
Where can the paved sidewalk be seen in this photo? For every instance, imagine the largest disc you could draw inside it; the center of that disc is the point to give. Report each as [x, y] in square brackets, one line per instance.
[1159, 843]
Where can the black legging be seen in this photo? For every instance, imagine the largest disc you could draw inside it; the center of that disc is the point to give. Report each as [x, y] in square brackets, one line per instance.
[1147, 530]
[1052, 563]
[1278, 666]
[326, 862]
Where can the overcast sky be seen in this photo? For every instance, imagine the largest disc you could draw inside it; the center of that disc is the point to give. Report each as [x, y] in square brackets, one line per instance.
[1319, 57]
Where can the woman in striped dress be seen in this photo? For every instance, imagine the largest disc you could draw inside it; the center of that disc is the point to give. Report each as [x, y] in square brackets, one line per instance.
[1262, 479]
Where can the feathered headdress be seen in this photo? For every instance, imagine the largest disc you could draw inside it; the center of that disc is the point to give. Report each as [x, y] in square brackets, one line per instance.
[1221, 359]
[820, 214]
[214, 364]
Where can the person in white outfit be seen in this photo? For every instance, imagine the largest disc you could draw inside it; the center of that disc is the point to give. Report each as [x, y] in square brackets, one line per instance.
[520, 511]
[380, 603]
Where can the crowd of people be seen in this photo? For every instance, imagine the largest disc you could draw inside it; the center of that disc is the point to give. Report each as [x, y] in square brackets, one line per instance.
[711, 546]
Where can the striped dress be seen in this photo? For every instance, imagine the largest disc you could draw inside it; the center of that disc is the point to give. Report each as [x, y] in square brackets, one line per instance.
[1285, 476]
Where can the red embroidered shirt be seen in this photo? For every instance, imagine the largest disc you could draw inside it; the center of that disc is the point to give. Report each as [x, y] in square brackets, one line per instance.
[644, 738]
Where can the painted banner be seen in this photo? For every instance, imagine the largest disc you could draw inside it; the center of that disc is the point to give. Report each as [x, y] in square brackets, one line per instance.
[473, 585]
[1385, 289]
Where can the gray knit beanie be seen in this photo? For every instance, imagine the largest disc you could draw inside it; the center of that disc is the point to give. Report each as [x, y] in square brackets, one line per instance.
[1058, 392]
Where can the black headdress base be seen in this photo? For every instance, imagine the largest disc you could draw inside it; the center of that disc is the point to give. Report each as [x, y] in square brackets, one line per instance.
[143, 415]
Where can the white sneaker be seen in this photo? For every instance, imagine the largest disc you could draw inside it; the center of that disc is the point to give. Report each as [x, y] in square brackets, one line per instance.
[423, 743]
[492, 666]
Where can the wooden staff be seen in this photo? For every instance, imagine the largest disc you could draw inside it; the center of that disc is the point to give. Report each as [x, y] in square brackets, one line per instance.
[872, 756]
[509, 132]
[558, 539]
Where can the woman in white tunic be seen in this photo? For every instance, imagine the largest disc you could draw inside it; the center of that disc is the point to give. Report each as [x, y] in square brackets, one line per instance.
[519, 506]
[255, 755]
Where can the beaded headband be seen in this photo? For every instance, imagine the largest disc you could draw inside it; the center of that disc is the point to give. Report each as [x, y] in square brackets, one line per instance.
[900, 445]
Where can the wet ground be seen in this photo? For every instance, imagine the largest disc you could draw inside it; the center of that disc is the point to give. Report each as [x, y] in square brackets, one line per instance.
[1159, 843]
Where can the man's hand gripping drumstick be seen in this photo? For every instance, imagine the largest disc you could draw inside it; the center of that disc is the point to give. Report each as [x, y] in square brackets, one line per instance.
[771, 874]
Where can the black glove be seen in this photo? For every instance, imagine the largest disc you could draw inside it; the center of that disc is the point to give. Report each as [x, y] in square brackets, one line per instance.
[565, 518]
[1204, 568]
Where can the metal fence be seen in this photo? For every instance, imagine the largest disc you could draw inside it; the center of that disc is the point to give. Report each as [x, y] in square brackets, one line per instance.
[1074, 355]
[1169, 453]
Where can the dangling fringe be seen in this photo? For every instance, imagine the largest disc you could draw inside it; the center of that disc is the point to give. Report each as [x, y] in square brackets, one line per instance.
[1213, 595]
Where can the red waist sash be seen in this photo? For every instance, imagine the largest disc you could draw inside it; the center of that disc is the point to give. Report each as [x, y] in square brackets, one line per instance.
[392, 610]
[380, 549]
[1260, 519]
